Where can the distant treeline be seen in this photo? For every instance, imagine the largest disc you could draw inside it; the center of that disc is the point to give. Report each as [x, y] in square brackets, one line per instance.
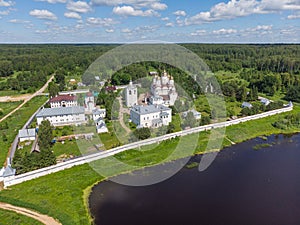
[31, 64]
[25, 67]
[278, 58]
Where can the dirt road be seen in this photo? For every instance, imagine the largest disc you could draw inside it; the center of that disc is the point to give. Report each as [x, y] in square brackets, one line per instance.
[29, 97]
[14, 98]
[35, 215]
[122, 111]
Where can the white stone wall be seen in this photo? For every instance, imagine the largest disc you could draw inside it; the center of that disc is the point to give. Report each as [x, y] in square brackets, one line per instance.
[63, 120]
[60, 104]
[26, 139]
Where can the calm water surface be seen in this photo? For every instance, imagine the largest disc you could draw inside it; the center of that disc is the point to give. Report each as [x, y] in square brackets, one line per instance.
[242, 186]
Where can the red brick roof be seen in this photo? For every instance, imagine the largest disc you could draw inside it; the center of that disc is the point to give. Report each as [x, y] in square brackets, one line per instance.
[165, 97]
[110, 88]
[89, 94]
[65, 98]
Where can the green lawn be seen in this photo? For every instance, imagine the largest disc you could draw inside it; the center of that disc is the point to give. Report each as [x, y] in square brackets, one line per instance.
[16, 122]
[255, 128]
[109, 139]
[121, 133]
[7, 107]
[69, 148]
[62, 195]
[12, 218]
[176, 120]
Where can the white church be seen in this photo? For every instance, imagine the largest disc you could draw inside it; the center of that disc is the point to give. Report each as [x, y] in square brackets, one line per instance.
[163, 90]
[131, 95]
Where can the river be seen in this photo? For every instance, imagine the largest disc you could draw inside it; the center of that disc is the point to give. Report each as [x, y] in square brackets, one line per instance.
[242, 186]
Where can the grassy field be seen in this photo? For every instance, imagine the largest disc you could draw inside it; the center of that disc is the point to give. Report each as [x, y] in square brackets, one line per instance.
[255, 128]
[7, 107]
[10, 93]
[62, 195]
[16, 122]
[9, 217]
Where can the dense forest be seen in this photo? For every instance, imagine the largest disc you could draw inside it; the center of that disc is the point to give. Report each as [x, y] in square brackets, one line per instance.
[269, 58]
[264, 68]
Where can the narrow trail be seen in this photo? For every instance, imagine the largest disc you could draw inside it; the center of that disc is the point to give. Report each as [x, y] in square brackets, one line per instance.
[121, 119]
[29, 97]
[233, 143]
[29, 213]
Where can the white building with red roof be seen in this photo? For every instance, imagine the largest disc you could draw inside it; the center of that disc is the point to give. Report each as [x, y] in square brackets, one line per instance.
[63, 101]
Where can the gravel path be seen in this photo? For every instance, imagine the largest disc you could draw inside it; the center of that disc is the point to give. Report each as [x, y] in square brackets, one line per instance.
[28, 99]
[35, 215]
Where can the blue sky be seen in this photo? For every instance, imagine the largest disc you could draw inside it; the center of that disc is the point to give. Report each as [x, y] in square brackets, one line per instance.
[106, 21]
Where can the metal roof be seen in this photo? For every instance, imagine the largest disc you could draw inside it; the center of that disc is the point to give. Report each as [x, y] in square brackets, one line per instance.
[195, 113]
[247, 104]
[99, 111]
[26, 133]
[60, 111]
[144, 110]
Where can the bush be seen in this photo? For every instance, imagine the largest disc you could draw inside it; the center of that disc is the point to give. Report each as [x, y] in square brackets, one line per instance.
[142, 133]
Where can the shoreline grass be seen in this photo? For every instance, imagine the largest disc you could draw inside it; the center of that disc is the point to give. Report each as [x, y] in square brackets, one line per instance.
[10, 217]
[64, 195]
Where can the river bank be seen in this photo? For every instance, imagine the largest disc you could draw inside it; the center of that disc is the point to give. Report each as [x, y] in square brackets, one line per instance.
[242, 186]
[60, 195]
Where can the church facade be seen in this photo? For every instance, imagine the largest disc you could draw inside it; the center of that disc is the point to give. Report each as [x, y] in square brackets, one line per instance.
[163, 90]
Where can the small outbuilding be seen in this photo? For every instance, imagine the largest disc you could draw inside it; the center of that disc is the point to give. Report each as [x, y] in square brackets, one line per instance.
[101, 126]
[265, 101]
[196, 114]
[27, 135]
[247, 105]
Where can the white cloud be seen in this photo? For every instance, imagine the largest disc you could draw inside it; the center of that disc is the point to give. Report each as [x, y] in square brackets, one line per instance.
[296, 15]
[241, 8]
[165, 19]
[103, 22]
[4, 13]
[79, 26]
[6, 3]
[109, 30]
[292, 17]
[18, 21]
[262, 28]
[278, 5]
[199, 33]
[179, 13]
[72, 15]
[43, 14]
[79, 6]
[158, 6]
[130, 11]
[126, 30]
[42, 31]
[53, 1]
[224, 31]
[154, 4]
[169, 25]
